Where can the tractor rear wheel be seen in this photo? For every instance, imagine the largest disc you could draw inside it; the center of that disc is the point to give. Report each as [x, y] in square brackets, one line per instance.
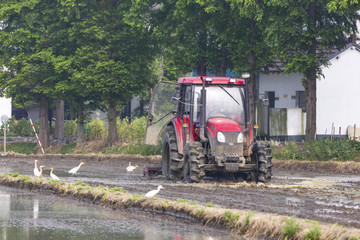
[194, 163]
[262, 154]
[172, 162]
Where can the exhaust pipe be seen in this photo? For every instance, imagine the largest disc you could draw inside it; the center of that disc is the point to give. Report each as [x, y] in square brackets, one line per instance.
[202, 113]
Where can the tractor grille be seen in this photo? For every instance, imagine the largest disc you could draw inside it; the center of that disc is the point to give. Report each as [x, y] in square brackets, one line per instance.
[231, 137]
[230, 151]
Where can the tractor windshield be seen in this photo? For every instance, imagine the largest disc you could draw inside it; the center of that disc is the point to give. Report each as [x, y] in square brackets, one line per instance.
[221, 101]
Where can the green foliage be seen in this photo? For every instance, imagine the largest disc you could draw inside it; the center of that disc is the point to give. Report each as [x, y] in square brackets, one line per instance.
[117, 189]
[320, 150]
[68, 148]
[291, 227]
[135, 147]
[314, 233]
[80, 182]
[23, 128]
[289, 152]
[14, 174]
[209, 204]
[231, 218]
[131, 131]
[327, 149]
[95, 129]
[22, 147]
[70, 128]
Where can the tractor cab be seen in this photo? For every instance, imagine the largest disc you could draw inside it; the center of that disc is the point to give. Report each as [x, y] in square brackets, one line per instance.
[205, 126]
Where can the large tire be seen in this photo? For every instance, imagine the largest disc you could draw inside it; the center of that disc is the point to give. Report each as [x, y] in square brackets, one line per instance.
[172, 162]
[194, 163]
[262, 154]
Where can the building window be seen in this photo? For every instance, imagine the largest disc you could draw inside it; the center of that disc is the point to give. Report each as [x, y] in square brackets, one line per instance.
[301, 100]
[271, 97]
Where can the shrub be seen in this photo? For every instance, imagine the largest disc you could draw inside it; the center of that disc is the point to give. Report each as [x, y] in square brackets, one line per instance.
[23, 128]
[70, 127]
[326, 149]
[290, 152]
[320, 150]
[95, 129]
[131, 131]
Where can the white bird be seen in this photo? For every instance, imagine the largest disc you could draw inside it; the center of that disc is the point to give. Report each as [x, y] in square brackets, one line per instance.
[40, 172]
[131, 168]
[75, 169]
[53, 176]
[154, 192]
[36, 170]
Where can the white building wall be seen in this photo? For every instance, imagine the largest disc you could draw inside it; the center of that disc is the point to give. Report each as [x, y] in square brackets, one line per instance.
[5, 107]
[284, 86]
[338, 94]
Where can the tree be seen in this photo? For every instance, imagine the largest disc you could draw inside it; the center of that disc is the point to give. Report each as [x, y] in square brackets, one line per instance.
[112, 58]
[30, 42]
[310, 30]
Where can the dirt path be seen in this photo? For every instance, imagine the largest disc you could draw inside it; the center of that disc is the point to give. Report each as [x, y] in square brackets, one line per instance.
[305, 194]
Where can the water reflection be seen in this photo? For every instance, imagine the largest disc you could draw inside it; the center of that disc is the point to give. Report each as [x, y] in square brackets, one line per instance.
[25, 215]
[36, 208]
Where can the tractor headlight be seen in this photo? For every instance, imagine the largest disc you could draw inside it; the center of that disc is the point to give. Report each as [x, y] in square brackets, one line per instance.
[240, 138]
[220, 137]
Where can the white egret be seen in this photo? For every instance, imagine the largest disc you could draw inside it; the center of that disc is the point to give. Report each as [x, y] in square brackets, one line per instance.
[154, 192]
[36, 170]
[75, 169]
[53, 176]
[40, 172]
[130, 168]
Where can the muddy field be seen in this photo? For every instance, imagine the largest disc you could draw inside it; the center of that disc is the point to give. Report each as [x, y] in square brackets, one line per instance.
[307, 192]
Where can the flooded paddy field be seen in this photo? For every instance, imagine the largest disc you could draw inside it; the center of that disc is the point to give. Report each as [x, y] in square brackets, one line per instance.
[28, 215]
[328, 198]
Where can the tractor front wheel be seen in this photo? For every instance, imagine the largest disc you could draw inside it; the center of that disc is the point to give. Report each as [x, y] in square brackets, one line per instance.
[262, 154]
[172, 162]
[194, 163]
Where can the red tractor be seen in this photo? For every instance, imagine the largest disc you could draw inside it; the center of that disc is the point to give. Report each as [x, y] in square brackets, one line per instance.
[206, 131]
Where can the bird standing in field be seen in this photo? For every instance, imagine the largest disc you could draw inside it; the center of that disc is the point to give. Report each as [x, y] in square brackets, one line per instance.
[36, 170]
[75, 169]
[154, 192]
[39, 173]
[130, 168]
[53, 176]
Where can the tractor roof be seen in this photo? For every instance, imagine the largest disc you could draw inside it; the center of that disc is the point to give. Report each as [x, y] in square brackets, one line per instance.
[211, 80]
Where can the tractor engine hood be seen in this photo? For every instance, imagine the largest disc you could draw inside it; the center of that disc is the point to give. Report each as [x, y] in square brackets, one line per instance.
[214, 125]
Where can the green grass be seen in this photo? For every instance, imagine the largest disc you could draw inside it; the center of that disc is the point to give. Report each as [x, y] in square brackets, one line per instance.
[290, 228]
[22, 147]
[314, 233]
[68, 148]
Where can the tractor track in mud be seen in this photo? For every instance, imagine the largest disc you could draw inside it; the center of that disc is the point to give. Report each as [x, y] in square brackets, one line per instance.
[328, 198]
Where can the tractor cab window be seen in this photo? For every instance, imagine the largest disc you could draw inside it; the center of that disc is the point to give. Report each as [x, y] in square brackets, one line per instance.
[221, 101]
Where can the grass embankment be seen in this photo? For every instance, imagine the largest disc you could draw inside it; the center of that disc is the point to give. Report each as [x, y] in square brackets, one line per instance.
[242, 222]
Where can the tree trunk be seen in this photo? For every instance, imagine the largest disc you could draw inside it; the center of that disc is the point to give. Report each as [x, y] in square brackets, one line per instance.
[112, 134]
[252, 89]
[223, 63]
[311, 77]
[310, 109]
[44, 122]
[59, 124]
[202, 45]
[80, 126]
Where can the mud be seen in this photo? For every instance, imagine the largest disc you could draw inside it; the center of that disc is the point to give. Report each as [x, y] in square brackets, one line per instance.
[303, 192]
